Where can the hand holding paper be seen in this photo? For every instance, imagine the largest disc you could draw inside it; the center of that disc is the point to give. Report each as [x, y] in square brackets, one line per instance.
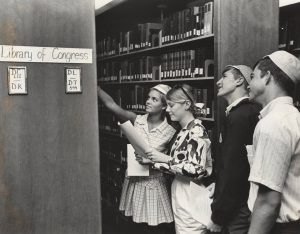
[139, 146]
[136, 140]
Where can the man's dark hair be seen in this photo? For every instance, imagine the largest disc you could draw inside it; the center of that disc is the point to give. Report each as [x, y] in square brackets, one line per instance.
[236, 73]
[282, 79]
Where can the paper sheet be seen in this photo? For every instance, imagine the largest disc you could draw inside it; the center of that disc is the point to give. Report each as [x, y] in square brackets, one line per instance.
[136, 140]
[200, 209]
[133, 167]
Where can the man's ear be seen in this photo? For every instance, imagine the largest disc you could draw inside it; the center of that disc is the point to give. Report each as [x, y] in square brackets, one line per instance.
[267, 77]
[240, 81]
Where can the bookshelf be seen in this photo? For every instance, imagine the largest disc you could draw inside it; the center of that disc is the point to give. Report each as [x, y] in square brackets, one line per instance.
[289, 36]
[156, 48]
[238, 33]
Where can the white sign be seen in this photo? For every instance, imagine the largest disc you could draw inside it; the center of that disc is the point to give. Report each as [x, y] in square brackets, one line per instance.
[11, 53]
[73, 80]
[17, 80]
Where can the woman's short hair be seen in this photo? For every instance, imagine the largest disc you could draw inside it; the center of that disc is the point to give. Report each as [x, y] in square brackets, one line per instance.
[182, 93]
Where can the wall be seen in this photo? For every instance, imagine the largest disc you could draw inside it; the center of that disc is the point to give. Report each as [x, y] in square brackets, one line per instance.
[49, 152]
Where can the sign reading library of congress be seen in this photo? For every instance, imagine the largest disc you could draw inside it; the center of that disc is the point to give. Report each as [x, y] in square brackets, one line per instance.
[30, 54]
[17, 80]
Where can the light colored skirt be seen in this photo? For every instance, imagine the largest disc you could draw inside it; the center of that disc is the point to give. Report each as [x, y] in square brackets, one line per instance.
[181, 203]
[147, 199]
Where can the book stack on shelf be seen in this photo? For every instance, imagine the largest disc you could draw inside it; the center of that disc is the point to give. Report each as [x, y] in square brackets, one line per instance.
[112, 166]
[289, 29]
[187, 64]
[195, 21]
[194, 63]
[108, 123]
[289, 36]
[185, 41]
[191, 22]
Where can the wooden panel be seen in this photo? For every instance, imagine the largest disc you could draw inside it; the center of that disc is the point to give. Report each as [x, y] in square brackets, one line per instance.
[49, 152]
[244, 31]
[248, 30]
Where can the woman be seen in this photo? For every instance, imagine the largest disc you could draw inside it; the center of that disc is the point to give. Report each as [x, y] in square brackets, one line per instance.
[190, 157]
[146, 199]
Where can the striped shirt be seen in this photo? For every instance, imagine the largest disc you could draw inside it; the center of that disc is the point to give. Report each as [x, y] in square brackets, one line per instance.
[276, 156]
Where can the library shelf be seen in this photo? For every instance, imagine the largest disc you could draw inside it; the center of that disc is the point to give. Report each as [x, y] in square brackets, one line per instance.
[175, 80]
[156, 48]
[235, 38]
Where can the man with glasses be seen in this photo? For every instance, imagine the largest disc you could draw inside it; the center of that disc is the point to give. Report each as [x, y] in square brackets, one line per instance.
[274, 197]
[229, 207]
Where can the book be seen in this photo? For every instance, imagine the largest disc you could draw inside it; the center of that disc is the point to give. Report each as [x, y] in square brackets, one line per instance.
[208, 18]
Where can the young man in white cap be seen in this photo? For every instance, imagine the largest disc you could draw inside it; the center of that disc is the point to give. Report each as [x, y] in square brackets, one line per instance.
[274, 197]
[229, 207]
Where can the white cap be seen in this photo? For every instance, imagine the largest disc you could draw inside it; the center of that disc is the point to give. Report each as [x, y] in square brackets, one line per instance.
[245, 70]
[288, 63]
[162, 88]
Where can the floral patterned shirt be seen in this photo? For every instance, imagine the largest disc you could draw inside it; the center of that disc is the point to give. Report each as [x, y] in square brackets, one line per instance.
[191, 151]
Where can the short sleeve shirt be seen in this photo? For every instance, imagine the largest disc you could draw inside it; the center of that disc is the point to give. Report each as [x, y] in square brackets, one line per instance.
[158, 137]
[276, 156]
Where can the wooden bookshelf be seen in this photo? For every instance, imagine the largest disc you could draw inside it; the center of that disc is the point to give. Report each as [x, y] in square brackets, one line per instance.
[289, 36]
[242, 33]
[175, 80]
[157, 48]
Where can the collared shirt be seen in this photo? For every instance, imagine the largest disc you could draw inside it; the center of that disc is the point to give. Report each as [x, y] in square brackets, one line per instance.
[237, 101]
[158, 137]
[276, 156]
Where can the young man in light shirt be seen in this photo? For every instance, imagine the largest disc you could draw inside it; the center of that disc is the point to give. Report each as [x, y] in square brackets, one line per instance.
[274, 197]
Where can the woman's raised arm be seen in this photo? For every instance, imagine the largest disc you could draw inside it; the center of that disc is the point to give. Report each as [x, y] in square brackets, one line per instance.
[121, 114]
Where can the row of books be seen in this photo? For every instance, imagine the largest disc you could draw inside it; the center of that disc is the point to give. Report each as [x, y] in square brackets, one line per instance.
[134, 98]
[142, 36]
[191, 22]
[188, 64]
[144, 68]
[109, 123]
[289, 33]
[204, 96]
[179, 64]
[188, 23]
[110, 194]
[112, 167]
[113, 150]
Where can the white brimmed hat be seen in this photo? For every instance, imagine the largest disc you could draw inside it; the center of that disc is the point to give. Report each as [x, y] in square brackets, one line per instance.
[244, 70]
[162, 88]
[288, 63]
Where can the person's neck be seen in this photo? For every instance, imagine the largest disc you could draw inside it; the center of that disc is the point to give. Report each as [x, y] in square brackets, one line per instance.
[271, 96]
[235, 96]
[155, 118]
[186, 119]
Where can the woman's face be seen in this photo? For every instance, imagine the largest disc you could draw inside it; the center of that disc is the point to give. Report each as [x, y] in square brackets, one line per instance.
[176, 110]
[154, 103]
